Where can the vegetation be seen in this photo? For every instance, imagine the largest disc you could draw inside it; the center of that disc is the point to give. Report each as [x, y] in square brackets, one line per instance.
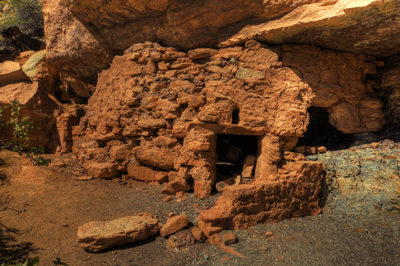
[25, 14]
[21, 128]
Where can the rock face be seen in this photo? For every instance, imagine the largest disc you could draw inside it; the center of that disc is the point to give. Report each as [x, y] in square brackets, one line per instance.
[71, 48]
[270, 199]
[199, 24]
[97, 236]
[166, 111]
[366, 26]
[362, 180]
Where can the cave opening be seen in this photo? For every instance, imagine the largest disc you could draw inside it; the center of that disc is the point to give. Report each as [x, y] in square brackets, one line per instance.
[322, 133]
[232, 151]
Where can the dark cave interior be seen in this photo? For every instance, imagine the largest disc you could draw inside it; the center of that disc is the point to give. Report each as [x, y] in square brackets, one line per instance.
[231, 152]
[321, 133]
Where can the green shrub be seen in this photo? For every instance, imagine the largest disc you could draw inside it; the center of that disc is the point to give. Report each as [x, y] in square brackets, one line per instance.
[21, 128]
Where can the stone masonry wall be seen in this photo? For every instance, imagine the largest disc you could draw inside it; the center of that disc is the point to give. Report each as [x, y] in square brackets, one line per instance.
[156, 112]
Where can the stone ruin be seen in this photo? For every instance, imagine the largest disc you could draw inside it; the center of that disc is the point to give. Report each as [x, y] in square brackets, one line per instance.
[161, 115]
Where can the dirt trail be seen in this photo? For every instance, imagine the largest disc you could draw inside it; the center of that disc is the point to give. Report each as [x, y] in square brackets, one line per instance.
[46, 207]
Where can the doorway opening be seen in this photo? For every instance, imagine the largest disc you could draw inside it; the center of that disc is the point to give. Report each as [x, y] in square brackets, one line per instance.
[232, 151]
[321, 133]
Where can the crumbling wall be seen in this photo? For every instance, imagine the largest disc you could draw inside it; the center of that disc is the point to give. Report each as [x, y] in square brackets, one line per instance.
[156, 112]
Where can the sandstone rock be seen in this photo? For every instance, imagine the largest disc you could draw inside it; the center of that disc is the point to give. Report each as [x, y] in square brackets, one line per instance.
[345, 117]
[78, 87]
[33, 64]
[300, 149]
[201, 53]
[84, 178]
[169, 198]
[268, 233]
[140, 172]
[64, 125]
[97, 236]
[11, 72]
[71, 47]
[229, 239]
[294, 156]
[248, 204]
[154, 158]
[324, 99]
[174, 224]
[229, 23]
[248, 166]
[23, 57]
[228, 182]
[41, 108]
[119, 153]
[173, 121]
[199, 235]
[102, 170]
[321, 149]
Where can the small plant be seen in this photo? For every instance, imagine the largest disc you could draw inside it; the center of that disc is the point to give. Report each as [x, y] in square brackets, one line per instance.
[35, 157]
[31, 262]
[21, 128]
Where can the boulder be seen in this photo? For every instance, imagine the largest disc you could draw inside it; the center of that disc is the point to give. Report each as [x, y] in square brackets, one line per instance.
[174, 224]
[102, 170]
[154, 158]
[71, 47]
[33, 64]
[99, 235]
[41, 108]
[11, 72]
[141, 173]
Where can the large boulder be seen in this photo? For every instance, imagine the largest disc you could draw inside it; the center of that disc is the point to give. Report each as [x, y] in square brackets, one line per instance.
[41, 108]
[99, 235]
[71, 47]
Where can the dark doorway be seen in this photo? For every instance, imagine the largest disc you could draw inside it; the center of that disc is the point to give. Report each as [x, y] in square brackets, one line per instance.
[231, 151]
[321, 133]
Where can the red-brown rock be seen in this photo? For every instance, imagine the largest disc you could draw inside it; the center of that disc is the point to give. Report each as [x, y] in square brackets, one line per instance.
[174, 224]
[102, 170]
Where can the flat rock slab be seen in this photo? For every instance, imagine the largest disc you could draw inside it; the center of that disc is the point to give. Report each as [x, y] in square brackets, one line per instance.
[97, 236]
[174, 224]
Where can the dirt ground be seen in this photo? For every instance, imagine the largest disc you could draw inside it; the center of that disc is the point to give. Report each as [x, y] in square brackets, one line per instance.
[44, 206]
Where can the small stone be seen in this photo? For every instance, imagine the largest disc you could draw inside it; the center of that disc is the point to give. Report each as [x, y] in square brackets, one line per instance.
[102, 170]
[215, 239]
[229, 239]
[321, 149]
[375, 145]
[198, 235]
[174, 224]
[268, 233]
[84, 178]
[169, 198]
[300, 149]
[311, 150]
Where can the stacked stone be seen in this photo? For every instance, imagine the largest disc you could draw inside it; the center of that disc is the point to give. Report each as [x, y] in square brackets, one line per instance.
[157, 111]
